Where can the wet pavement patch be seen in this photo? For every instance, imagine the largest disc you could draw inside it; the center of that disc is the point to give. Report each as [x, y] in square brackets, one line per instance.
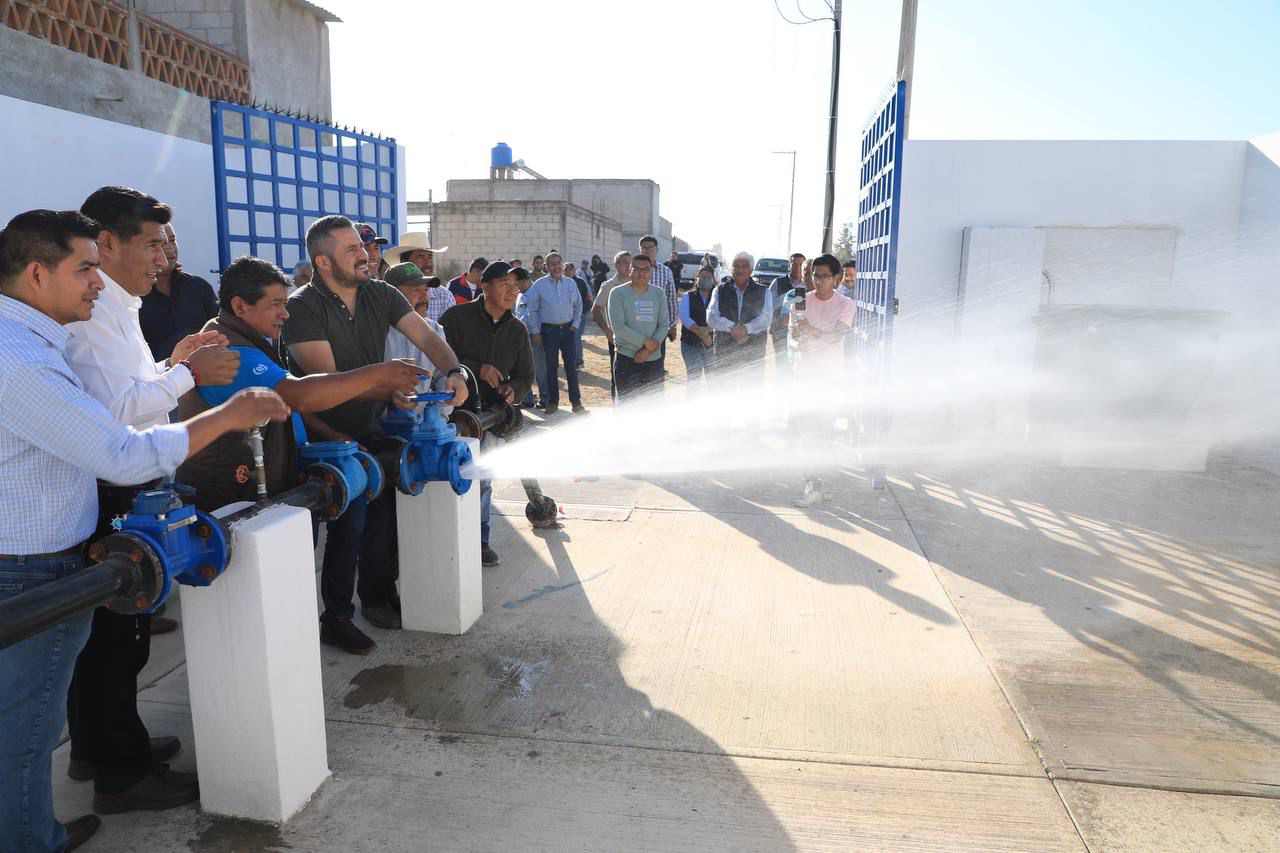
[465, 689]
[231, 835]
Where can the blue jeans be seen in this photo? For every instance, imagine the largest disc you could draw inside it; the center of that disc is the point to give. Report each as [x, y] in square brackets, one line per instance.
[557, 342]
[698, 360]
[582, 327]
[34, 677]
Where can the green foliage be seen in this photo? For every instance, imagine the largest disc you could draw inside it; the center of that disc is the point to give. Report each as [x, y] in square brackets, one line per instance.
[845, 246]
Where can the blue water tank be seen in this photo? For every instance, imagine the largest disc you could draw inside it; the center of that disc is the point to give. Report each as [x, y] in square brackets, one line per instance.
[500, 156]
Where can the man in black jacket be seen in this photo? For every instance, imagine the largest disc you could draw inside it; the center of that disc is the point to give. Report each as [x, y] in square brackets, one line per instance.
[494, 345]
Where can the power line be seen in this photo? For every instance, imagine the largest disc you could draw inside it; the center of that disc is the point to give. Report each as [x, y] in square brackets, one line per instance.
[807, 19]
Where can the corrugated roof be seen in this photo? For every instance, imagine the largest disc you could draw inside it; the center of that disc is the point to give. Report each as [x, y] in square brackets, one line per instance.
[322, 14]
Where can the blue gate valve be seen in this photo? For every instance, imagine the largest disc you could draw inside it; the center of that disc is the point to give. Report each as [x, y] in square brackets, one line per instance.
[432, 449]
[344, 461]
[188, 545]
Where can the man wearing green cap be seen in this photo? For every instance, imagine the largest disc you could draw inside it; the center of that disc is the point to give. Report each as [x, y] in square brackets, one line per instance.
[412, 282]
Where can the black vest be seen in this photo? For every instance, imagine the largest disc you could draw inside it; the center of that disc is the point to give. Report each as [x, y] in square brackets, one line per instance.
[752, 307]
[698, 311]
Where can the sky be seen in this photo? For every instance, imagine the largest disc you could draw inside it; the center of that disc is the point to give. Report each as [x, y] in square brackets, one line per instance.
[697, 94]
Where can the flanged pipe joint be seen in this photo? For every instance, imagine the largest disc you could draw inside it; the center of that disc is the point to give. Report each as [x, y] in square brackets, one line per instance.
[428, 447]
[164, 540]
[349, 472]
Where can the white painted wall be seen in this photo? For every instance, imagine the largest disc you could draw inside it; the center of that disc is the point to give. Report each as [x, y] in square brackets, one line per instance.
[1184, 225]
[54, 158]
[1191, 187]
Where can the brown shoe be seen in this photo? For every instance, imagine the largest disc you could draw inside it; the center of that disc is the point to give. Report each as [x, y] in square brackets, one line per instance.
[382, 616]
[163, 625]
[345, 635]
[162, 749]
[81, 830]
[160, 789]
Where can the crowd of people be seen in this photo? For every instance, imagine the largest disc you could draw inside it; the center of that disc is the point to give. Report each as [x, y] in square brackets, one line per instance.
[119, 369]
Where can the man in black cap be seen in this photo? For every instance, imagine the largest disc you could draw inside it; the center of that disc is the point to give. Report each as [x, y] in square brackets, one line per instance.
[494, 345]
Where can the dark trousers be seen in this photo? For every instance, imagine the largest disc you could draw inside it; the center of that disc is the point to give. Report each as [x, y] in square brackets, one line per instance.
[613, 384]
[361, 542]
[102, 702]
[560, 342]
[634, 379]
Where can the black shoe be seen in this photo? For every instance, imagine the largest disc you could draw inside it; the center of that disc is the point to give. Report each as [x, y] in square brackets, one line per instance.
[393, 601]
[163, 625]
[345, 635]
[488, 556]
[160, 789]
[551, 408]
[162, 749]
[579, 409]
[81, 830]
[382, 616]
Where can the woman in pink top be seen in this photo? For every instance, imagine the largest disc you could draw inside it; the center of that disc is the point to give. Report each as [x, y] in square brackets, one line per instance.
[818, 340]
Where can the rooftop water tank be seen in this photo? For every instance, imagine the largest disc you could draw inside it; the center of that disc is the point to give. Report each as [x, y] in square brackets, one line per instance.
[500, 156]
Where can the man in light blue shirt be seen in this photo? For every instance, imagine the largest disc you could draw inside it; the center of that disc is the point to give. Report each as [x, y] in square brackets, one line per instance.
[554, 309]
[55, 439]
[524, 281]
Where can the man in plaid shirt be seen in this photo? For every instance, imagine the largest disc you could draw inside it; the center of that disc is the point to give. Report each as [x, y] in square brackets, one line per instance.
[663, 278]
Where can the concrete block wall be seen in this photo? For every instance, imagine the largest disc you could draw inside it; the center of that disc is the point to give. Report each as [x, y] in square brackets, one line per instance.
[217, 22]
[521, 229]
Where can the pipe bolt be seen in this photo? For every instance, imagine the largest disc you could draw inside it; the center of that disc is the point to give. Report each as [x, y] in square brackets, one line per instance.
[136, 555]
[204, 531]
[142, 601]
[97, 552]
[208, 572]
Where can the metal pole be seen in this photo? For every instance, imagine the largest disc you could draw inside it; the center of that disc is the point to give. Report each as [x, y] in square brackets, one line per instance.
[829, 208]
[907, 57]
[791, 213]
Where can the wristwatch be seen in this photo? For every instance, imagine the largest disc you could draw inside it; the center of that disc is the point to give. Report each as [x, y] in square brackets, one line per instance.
[457, 371]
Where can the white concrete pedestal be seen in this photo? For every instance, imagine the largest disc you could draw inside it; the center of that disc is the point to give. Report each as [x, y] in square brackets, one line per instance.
[440, 588]
[253, 663]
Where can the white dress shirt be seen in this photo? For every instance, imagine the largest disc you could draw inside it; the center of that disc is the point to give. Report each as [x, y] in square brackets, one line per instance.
[113, 361]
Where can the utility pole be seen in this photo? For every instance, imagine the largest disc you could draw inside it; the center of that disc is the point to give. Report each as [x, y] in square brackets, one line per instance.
[829, 208]
[791, 214]
[907, 57]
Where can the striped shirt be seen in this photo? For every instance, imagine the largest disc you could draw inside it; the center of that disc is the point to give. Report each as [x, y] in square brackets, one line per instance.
[439, 300]
[55, 440]
[663, 278]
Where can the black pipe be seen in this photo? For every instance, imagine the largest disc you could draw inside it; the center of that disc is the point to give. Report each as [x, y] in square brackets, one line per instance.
[117, 579]
[45, 606]
[312, 495]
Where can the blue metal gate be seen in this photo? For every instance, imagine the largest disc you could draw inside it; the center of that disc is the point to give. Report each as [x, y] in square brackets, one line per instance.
[878, 209]
[275, 174]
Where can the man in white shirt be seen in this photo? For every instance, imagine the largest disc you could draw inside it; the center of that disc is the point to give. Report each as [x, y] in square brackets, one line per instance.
[109, 742]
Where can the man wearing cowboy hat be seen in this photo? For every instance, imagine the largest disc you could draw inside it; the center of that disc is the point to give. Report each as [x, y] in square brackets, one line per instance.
[416, 249]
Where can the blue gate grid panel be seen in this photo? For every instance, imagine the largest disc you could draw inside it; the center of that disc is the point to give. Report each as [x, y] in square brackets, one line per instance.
[879, 205]
[276, 174]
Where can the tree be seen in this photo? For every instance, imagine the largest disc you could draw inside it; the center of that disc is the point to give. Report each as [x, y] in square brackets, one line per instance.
[845, 246]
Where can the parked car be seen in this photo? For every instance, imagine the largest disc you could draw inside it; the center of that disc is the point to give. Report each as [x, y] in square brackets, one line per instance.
[770, 269]
[692, 262]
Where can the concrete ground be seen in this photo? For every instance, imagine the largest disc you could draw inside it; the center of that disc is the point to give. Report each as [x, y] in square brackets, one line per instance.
[1013, 659]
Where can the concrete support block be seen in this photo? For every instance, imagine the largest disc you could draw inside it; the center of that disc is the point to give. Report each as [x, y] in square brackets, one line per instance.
[253, 662]
[440, 587]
